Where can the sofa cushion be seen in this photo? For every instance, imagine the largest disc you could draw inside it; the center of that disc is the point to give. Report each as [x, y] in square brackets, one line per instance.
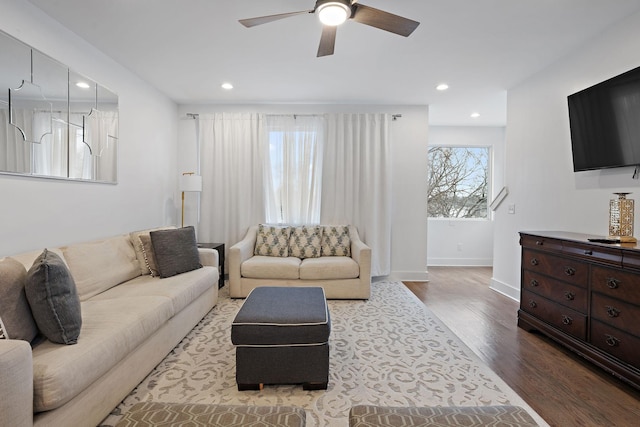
[100, 265]
[329, 267]
[16, 320]
[182, 290]
[27, 258]
[305, 241]
[53, 299]
[266, 267]
[336, 241]
[133, 236]
[272, 240]
[176, 251]
[111, 329]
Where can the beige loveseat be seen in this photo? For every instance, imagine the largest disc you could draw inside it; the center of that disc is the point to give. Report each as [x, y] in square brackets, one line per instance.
[343, 275]
[130, 322]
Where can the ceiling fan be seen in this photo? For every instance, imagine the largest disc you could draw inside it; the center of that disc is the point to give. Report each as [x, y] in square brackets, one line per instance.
[334, 12]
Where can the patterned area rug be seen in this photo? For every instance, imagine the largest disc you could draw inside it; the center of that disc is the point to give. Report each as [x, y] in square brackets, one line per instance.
[388, 351]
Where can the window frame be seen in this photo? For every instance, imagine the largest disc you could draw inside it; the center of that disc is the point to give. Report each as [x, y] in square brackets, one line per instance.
[489, 168]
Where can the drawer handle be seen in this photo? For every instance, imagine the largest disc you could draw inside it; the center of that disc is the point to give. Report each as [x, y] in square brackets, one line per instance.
[612, 283]
[539, 242]
[532, 304]
[566, 320]
[612, 311]
[534, 282]
[534, 261]
[612, 341]
[588, 252]
[570, 296]
[569, 271]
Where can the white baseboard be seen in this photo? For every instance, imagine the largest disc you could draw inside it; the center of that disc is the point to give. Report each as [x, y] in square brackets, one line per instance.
[460, 262]
[505, 289]
[409, 276]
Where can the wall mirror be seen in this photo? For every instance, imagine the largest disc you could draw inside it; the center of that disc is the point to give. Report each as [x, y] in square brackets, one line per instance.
[54, 122]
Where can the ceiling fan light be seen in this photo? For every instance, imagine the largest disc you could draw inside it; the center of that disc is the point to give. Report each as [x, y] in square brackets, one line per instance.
[333, 13]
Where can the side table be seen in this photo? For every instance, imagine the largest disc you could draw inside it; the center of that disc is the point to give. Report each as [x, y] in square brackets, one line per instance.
[220, 248]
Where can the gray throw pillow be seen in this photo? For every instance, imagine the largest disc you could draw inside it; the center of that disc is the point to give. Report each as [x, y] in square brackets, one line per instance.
[17, 321]
[176, 251]
[53, 298]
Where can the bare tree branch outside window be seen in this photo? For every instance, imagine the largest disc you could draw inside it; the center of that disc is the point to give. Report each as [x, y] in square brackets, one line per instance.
[458, 182]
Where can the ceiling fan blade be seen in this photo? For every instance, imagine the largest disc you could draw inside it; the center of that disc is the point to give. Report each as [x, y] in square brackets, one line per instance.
[252, 22]
[327, 40]
[383, 20]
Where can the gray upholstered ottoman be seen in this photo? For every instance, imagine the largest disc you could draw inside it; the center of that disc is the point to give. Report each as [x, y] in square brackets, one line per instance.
[155, 414]
[437, 416]
[282, 337]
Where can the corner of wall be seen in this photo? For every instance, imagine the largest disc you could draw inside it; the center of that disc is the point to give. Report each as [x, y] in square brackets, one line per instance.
[505, 289]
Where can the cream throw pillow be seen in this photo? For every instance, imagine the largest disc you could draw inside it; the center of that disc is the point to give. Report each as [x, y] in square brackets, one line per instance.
[272, 240]
[336, 241]
[305, 241]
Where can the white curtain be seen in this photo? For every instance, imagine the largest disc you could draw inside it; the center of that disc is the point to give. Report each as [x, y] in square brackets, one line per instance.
[293, 169]
[231, 147]
[356, 187]
[15, 153]
[50, 155]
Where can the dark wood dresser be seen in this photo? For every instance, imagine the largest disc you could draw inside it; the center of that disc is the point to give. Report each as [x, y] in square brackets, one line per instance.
[585, 296]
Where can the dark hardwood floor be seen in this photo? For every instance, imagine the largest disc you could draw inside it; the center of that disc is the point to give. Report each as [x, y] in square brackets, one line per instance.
[562, 387]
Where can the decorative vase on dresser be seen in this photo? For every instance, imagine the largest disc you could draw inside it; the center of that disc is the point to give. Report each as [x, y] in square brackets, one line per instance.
[584, 295]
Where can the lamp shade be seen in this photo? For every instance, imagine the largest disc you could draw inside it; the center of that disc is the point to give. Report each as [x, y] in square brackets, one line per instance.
[191, 182]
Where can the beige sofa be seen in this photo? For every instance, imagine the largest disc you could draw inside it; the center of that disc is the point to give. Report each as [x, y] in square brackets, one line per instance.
[130, 322]
[342, 277]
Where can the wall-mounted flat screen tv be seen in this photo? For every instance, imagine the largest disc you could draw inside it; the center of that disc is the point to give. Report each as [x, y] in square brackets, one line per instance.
[605, 123]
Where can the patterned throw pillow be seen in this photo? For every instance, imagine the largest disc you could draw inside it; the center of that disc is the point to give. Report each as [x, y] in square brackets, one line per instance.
[336, 241]
[272, 240]
[145, 245]
[3, 335]
[305, 241]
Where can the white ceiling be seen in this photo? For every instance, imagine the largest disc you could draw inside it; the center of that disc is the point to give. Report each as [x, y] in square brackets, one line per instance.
[481, 48]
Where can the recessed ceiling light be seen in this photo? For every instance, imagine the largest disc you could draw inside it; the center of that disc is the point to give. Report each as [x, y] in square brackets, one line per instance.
[442, 86]
[227, 86]
[475, 115]
[83, 85]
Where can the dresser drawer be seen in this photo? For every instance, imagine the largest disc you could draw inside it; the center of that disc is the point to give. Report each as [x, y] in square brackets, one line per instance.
[565, 269]
[540, 243]
[615, 342]
[564, 293]
[559, 316]
[616, 283]
[616, 313]
[594, 253]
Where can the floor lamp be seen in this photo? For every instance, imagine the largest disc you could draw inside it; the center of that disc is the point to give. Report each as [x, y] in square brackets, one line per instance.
[191, 182]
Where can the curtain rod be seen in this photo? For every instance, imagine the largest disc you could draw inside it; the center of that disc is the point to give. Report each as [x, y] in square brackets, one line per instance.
[193, 115]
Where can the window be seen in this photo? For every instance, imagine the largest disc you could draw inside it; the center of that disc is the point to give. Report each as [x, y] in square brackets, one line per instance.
[294, 169]
[458, 182]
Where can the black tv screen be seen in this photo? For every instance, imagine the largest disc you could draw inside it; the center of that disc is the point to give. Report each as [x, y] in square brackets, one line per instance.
[605, 123]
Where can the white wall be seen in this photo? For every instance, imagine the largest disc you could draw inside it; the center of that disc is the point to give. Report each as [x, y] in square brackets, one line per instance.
[466, 242]
[43, 212]
[409, 139]
[547, 193]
